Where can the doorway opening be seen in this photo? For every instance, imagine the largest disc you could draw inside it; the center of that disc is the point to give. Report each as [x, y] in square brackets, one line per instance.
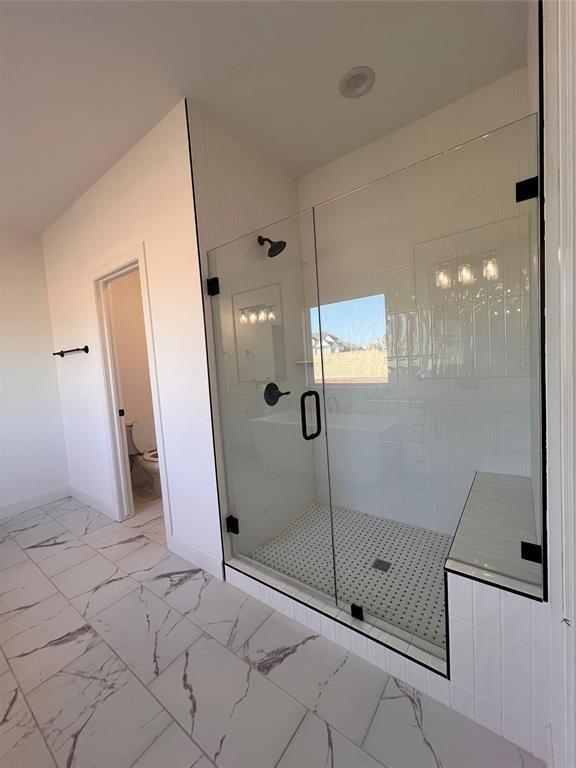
[128, 360]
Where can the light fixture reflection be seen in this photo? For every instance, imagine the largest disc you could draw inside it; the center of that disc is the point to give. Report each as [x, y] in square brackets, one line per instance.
[490, 269]
[443, 278]
[465, 274]
[258, 314]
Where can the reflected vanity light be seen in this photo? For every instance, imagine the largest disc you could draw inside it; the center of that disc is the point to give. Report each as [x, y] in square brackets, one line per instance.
[490, 269]
[258, 314]
[443, 278]
[465, 274]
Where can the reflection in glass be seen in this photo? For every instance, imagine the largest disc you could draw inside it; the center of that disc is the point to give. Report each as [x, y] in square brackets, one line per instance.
[352, 342]
[465, 274]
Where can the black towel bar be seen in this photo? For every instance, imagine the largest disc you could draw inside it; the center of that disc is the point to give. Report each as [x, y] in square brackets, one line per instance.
[68, 351]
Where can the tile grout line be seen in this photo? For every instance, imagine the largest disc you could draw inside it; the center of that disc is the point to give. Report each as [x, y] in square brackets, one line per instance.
[86, 619]
[291, 739]
[376, 708]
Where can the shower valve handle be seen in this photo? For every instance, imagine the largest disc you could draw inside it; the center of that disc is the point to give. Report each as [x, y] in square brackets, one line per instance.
[272, 394]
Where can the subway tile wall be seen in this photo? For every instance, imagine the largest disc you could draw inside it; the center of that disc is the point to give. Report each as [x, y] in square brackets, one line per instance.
[499, 656]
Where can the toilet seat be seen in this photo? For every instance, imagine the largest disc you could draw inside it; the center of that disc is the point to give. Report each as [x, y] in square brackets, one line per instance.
[151, 456]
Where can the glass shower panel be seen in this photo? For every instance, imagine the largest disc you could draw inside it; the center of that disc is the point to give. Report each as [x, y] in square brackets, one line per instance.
[274, 445]
[429, 318]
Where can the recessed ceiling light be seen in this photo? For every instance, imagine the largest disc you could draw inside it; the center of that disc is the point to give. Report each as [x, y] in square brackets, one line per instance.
[356, 82]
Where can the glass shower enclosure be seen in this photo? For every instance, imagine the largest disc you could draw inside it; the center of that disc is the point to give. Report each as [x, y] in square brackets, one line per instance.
[377, 358]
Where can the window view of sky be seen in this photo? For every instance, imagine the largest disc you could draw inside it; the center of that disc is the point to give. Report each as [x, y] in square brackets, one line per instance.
[359, 321]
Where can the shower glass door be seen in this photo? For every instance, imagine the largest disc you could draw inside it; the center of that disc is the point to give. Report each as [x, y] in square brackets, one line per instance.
[378, 367]
[429, 312]
[272, 404]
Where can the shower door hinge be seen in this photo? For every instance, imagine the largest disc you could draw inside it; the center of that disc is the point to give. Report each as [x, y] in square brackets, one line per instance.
[357, 612]
[526, 189]
[213, 285]
[532, 552]
[232, 525]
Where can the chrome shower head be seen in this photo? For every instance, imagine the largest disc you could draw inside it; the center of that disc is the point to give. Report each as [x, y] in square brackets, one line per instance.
[276, 246]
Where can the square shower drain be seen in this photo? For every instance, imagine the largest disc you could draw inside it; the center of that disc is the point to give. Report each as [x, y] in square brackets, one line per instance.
[381, 565]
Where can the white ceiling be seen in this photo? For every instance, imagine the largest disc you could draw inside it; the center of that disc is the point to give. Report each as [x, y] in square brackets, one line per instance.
[84, 81]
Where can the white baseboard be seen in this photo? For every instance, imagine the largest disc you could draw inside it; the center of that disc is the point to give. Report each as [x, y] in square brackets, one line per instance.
[92, 502]
[201, 558]
[33, 501]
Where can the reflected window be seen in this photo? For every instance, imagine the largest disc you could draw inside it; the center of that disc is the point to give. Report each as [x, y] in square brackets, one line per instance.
[352, 343]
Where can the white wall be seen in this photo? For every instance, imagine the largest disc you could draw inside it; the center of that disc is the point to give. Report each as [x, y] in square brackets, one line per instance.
[479, 112]
[32, 455]
[238, 189]
[146, 197]
[131, 355]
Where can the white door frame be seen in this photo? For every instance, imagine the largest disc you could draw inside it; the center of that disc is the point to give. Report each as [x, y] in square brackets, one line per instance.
[560, 211]
[129, 261]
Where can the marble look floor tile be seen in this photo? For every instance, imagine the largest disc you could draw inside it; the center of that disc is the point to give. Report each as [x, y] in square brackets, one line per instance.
[83, 521]
[94, 585]
[156, 532]
[317, 745]
[96, 714]
[223, 611]
[3, 664]
[4, 535]
[169, 574]
[139, 563]
[338, 685]
[21, 744]
[62, 506]
[151, 512]
[237, 716]
[43, 534]
[25, 521]
[173, 749]
[116, 541]
[61, 556]
[41, 640]
[145, 632]
[22, 585]
[10, 554]
[411, 730]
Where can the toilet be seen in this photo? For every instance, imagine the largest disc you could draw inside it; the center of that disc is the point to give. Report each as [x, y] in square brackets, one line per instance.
[150, 464]
[148, 460]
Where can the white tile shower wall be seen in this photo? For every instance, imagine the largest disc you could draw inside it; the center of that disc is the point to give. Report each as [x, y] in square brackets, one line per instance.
[499, 655]
[418, 467]
[416, 455]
